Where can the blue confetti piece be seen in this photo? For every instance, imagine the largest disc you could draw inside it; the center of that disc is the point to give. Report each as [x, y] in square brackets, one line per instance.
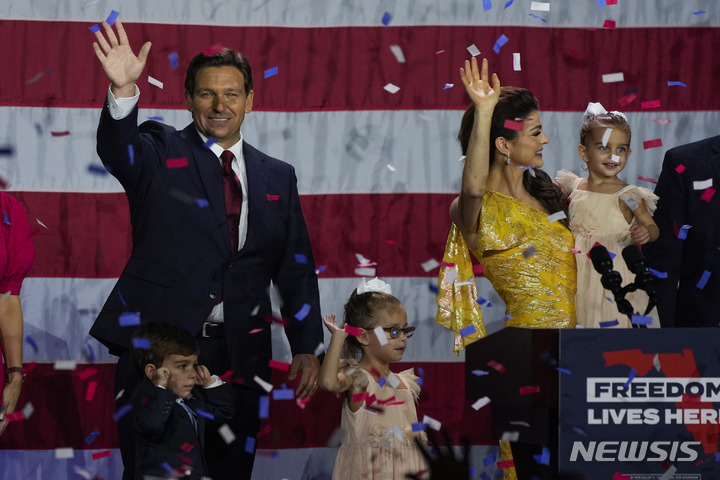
[421, 372]
[489, 460]
[91, 353]
[611, 323]
[602, 3]
[94, 28]
[699, 12]
[473, 471]
[32, 343]
[283, 394]
[112, 17]
[682, 233]
[6, 218]
[717, 456]
[97, 169]
[579, 431]
[631, 377]
[303, 312]
[703, 280]
[381, 382]
[469, 330]
[563, 370]
[479, 373]
[433, 288]
[448, 86]
[539, 18]
[141, 343]
[210, 142]
[122, 411]
[676, 84]
[612, 255]
[487, 5]
[641, 320]
[173, 57]
[91, 438]
[418, 427]
[270, 72]
[167, 467]
[121, 298]
[131, 154]
[320, 270]
[386, 18]
[250, 445]
[129, 319]
[264, 407]
[508, 4]
[507, 317]
[156, 119]
[38, 129]
[300, 258]
[544, 457]
[202, 202]
[657, 273]
[205, 414]
[499, 43]
[483, 301]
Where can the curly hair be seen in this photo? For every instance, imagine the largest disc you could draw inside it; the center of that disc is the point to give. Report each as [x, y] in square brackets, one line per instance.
[606, 120]
[360, 312]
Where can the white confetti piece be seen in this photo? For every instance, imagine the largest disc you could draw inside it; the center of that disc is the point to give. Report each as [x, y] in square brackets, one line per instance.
[631, 203]
[614, 158]
[613, 77]
[481, 402]
[83, 473]
[390, 167]
[65, 365]
[522, 424]
[474, 51]
[28, 410]
[451, 275]
[431, 264]
[432, 423]
[669, 473]
[365, 271]
[226, 433]
[703, 184]
[656, 362]
[391, 88]
[510, 436]
[154, 81]
[393, 380]
[397, 51]
[461, 159]
[380, 334]
[42, 224]
[362, 260]
[319, 349]
[265, 385]
[606, 136]
[540, 6]
[556, 216]
[255, 310]
[516, 62]
[397, 432]
[63, 453]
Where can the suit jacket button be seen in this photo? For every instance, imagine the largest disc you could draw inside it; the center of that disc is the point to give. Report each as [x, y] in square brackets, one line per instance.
[213, 294]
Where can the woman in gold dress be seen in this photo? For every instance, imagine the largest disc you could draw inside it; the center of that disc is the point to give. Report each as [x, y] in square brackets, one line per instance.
[509, 214]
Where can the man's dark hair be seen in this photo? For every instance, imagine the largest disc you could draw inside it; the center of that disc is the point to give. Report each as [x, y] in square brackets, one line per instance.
[224, 58]
[165, 340]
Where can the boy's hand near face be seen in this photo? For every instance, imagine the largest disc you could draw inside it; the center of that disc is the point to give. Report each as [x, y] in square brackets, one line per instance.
[203, 377]
[160, 377]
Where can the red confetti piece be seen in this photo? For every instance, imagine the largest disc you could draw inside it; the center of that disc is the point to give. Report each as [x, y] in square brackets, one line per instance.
[506, 464]
[176, 162]
[496, 366]
[280, 365]
[60, 134]
[383, 402]
[187, 447]
[396, 403]
[680, 168]
[213, 49]
[359, 397]
[513, 125]
[185, 459]
[87, 373]
[226, 375]
[255, 330]
[651, 180]
[300, 402]
[264, 431]
[14, 416]
[611, 2]
[280, 321]
[103, 454]
[272, 198]
[650, 104]
[620, 476]
[90, 392]
[609, 24]
[529, 390]
[708, 194]
[354, 331]
[439, 52]
[390, 242]
[661, 120]
[652, 143]
[626, 99]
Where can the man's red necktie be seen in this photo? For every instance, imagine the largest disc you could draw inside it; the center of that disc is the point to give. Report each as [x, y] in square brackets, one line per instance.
[233, 198]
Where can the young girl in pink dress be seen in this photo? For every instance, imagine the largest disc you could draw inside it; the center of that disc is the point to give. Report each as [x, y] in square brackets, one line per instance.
[606, 210]
[379, 407]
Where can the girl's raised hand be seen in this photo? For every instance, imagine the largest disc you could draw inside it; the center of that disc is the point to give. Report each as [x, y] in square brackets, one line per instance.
[478, 87]
[331, 324]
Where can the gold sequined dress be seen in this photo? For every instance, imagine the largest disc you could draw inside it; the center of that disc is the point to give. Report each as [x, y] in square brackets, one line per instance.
[528, 260]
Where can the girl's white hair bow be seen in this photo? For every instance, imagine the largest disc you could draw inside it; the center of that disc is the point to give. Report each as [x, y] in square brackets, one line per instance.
[595, 108]
[374, 285]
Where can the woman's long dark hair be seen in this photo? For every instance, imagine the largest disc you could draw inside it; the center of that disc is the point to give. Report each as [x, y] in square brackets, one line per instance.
[515, 103]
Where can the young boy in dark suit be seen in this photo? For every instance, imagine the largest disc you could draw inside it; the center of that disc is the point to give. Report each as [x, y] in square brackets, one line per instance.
[173, 402]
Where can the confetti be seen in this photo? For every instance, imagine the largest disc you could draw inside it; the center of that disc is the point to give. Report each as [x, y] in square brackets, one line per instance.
[205, 414]
[497, 366]
[60, 134]
[626, 99]
[641, 320]
[676, 84]
[650, 104]
[95, 28]
[516, 62]
[631, 203]
[680, 168]
[418, 427]
[651, 180]
[657, 273]
[575, 250]
[390, 167]
[502, 40]
[64, 453]
[652, 143]
[540, 6]
[391, 88]
[439, 52]
[510, 2]
[699, 12]
[469, 330]
[563, 370]
[683, 231]
[529, 252]
[432, 423]
[202, 202]
[380, 334]
[702, 184]
[479, 373]
[272, 198]
[354, 331]
[708, 194]
[393, 380]
[703, 280]
[431, 264]
[271, 72]
[213, 49]
[482, 301]
[610, 323]
[631, 377]
[110, 20]
[264, 407]
[669, 473]
[265, 385]
[506, 464]
[606, 136]
[91, 438]
[320, 269]
[397, 51]
[250, 445]
[620, 476]
[481, 402]
[65, 364]
[155, 81]
[448, 86]
[609, 24]
[173, 57]
[141, 343]
[129, 319]
[301, 258]
[538, 17]
[556, 216]
[529, 390]
[474, 51]
[226, 433]
[90, 392]
[386, 18]
[544, 457]
[613, 77]
[513, 125]
[121, 412]
[99, 455]
[303, 312]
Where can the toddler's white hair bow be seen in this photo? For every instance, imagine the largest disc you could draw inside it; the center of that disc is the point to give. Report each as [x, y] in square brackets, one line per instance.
[374, 285]
[595, 108]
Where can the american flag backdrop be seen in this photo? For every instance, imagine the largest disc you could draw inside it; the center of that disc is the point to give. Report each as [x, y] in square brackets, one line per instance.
[364, 99]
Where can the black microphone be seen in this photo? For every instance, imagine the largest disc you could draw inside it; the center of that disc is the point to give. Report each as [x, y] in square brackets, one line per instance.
[610, 279]
[643, 278]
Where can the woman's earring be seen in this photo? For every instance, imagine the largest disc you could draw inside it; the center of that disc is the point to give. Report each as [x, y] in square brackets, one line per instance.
[507, 162]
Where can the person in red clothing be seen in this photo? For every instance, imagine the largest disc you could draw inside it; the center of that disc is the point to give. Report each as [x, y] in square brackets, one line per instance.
[16, 257]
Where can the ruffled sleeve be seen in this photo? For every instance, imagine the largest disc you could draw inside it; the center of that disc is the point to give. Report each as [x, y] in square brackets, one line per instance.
[360, 380]
[457, 293]
[411, 382]
[17, 252]
[568, 180]
[640, 193]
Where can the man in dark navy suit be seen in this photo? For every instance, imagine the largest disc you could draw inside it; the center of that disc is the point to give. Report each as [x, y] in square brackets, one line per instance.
[214, 222]
[689, 208]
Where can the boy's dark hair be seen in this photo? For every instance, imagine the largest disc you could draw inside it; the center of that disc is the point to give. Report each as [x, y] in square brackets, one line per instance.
[165, 340]
[224, 58]
[360, 312]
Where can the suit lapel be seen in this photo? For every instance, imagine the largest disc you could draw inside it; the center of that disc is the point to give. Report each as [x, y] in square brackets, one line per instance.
[208, 168]
[257, 179]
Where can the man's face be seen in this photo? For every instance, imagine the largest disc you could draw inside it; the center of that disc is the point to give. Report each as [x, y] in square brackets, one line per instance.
[219, 103]
[182, 373]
